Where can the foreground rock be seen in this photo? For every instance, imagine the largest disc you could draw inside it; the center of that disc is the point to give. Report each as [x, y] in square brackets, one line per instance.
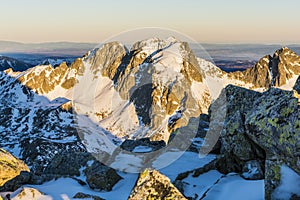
[10, 167]
[274, 125]
[69, 164]
[101, 177]
[261, 134]
[153, 185]
[236, 147]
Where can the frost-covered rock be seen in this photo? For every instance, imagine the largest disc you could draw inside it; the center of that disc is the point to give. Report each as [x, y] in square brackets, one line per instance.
[42, 133]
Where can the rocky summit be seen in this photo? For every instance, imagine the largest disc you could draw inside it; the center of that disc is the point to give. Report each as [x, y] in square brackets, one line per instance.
[185, 127]
[278, 70]
[161, 79]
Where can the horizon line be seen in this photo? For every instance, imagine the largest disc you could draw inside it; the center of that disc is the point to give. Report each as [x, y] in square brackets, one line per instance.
[200, 42]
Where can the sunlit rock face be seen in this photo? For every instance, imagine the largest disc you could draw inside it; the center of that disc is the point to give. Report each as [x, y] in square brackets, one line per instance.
[10, 167]
[153, 185]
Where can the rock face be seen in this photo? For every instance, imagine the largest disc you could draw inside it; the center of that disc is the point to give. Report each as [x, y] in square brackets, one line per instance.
[280, 70]
[276, 70]
[153, 185]
[275, 126]
[237, 149]
[10, 167]
[260, 134]
[61, 76]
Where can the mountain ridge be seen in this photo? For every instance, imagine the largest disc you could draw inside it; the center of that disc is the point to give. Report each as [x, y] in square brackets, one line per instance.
[125, 73]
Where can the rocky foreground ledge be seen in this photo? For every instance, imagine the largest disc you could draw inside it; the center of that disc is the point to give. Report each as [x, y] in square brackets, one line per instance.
[261, 135]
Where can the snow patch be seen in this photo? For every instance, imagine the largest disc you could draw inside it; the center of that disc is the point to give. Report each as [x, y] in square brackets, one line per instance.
[290, 184]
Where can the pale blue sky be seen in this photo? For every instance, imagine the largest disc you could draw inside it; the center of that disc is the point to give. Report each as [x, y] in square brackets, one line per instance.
[220, 21]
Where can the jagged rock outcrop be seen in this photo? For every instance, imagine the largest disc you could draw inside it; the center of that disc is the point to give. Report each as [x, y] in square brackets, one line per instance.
[236, 147]
[259, 76]
[275, 126]
[10, 167]
[153, 185]
[46, 79]
[276, 70]
[261, 130]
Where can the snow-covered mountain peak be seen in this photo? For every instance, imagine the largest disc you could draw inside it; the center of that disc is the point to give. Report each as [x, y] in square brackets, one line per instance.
[136, 93]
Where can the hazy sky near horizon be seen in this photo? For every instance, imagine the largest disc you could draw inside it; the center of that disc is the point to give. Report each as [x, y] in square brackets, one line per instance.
[209, 21]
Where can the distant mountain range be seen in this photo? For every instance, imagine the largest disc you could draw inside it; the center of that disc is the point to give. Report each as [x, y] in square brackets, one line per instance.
[14, 64]
[49, 48]
[216, 51]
